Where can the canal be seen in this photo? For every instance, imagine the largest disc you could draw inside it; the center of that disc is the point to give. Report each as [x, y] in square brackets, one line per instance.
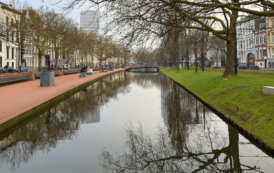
[129, 122]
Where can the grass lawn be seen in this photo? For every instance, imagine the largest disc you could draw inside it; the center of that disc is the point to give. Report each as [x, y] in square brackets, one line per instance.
[240, 98]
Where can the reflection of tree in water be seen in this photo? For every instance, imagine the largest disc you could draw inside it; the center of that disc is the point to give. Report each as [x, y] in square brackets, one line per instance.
[180, 146]
[59, 123]
[146, 80]
[142, 154]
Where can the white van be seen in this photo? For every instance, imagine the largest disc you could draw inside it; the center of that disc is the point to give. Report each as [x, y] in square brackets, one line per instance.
[216, 65]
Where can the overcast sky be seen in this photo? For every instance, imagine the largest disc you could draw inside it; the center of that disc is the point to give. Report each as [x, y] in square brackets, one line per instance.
[75, 14]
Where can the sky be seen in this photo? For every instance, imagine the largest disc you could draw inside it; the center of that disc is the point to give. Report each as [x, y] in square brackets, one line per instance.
[74, 14]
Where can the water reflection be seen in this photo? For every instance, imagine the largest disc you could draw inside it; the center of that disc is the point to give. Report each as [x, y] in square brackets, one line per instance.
[190, 139]
[60, 122]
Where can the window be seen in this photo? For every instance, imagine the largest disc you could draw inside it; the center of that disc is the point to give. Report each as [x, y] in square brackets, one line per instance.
[0, 61]
[272, 52]
[7, 52]
[272, 33]
[0, 46]
[269, 37]
[8, 64]
[261, 54]
[12, 36]
[7, 35]
[12, 53]
[12, 64]
[7, 21]
[259, 39]
[269, 53]
[261, 64]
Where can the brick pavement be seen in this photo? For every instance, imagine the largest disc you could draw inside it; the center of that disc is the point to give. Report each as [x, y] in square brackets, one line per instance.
[18, 98]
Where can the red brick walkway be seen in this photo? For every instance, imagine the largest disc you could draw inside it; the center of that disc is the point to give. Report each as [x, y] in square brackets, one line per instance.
[18, 98]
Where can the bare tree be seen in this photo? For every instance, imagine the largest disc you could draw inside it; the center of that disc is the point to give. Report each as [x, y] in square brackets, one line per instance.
[146, 20]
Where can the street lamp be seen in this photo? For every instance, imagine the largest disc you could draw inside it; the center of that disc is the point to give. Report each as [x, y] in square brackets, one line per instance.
[235, 53]
[202, 56]
[32, 74]
[187, 58]
[62, 38]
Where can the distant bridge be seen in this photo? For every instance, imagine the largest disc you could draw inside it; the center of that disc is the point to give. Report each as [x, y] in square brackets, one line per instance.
[131, 69]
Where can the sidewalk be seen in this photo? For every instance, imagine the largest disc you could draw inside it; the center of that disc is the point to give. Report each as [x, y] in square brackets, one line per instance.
[18, 98]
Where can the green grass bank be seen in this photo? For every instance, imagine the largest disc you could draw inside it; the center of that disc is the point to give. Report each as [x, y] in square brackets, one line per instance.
[239, 98]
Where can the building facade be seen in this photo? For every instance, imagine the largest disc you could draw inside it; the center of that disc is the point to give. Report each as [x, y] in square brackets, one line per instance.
[8, 46]
[270, 41]
[241, 43]
[260, 43]
[90, 21]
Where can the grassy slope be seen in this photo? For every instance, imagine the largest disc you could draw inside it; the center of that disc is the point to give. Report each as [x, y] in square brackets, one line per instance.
[239, 98]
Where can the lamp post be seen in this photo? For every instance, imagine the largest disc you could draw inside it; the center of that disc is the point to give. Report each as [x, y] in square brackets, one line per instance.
[202, 56]
[187, 58]
[32, 74]
[62, 38]
[235, 53]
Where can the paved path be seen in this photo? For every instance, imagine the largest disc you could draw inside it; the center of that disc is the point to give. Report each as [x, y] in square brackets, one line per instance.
[18, 98]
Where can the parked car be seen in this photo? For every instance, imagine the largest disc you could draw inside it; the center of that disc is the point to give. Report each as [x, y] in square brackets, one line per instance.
[254, 68]
[207, 64]
[243, 67]
[8, 69]
[23, 69]
[216, 65]
[2, 70]
[65, 67]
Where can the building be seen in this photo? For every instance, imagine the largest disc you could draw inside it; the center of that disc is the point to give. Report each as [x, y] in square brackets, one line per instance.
[8, 47]
[245, 41]
[270, 41]
[260, 43]
[90, 21]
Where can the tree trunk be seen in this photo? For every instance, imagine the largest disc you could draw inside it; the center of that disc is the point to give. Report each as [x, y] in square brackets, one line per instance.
[19, 59]
[56, 59]
[229, 71]
[40, 61]
[234, 149]
[195, 51]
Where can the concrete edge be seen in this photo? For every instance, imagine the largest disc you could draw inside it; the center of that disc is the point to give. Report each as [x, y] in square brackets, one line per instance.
[16, 120]
[248, 135]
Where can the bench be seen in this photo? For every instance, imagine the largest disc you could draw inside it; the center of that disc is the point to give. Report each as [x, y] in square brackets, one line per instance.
[70, 72]
[55, 74]
[98, 69]
[13, 79]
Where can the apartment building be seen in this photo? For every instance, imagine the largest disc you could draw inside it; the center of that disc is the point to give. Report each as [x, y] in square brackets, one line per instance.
[8, 46]
[260, 43]
[90, 21]
[270, 41]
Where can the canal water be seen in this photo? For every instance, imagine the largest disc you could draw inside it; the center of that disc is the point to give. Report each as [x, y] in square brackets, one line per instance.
[129, 122]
